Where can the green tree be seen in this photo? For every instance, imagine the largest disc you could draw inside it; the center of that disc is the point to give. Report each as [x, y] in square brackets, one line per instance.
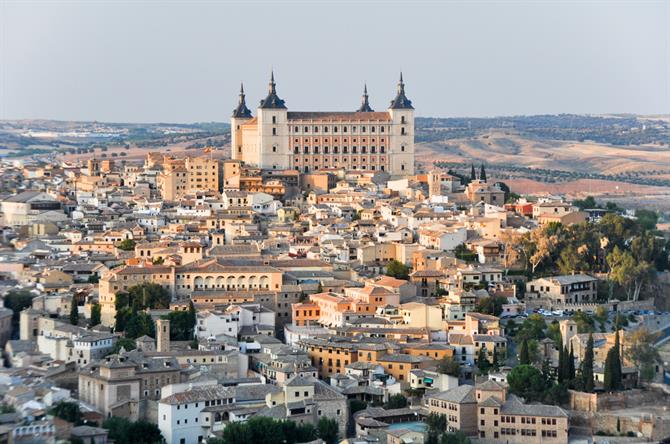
[149, 295]
[613, 378]
[7, 408]
[236, 433]
[182, 324]
[571, 365]
[482, 173]
[463, 253]
[562, 359]
[571, 260]
[396, 401]
[492, 305]
[532, 328]
[586, 367]
[483, 363]
[127, 344]
[643, 353]
[139, 297]
[628, 272]
[524, 357]
[328, 430]
[473, 173]
[647, 219]
[527, 382]
[585, 323]
[495, 365]
[18, 300]
[96, 311]
[126, 245]
[69, 411]
[356, 405]
[436, 425]
[93, 279]
[457, 437]
[140, 324]
[74, 311]
[397, 270]
[584, 204]
[449, 366]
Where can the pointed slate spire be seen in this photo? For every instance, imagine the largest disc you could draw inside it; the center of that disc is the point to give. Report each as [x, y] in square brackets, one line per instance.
[241, 111]
[365, 105]
[272, 100]
[401, 101]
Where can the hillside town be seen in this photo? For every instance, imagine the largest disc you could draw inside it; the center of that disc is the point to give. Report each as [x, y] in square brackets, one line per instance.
[310, 288]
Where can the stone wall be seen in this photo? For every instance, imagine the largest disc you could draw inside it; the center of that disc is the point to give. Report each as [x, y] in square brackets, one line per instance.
[597, 412]
[602, 402]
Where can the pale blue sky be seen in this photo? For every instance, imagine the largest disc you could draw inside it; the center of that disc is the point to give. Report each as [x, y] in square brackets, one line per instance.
[182, 61]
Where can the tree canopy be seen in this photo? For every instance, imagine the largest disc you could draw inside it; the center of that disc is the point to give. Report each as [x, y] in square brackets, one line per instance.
[397, 270]
[130, 317]
[124, 431]
[69, 411]
[264, 430]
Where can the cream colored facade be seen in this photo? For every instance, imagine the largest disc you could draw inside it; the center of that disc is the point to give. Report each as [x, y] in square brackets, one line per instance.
[180, 282]
[364, 140]
[188, 176]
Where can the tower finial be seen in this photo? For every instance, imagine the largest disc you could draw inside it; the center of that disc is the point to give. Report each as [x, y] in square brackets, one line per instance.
[272, 100]
[241, 111]
[401, 101]
[365, 105]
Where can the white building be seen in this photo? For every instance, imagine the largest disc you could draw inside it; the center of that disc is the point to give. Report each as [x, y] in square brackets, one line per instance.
[236, 320]
[180, 417]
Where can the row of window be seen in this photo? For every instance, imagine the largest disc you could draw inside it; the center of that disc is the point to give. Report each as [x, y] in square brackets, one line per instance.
[335, 159]
[336, 129]
[336, 150]
[353, 167]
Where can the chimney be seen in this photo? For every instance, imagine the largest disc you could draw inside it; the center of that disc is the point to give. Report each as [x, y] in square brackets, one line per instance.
[162, 335]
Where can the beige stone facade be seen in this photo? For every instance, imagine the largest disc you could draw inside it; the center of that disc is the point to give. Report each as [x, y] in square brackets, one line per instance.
[364, 140]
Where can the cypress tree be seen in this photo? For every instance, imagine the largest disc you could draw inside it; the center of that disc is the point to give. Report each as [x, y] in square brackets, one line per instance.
[482, 361]
[571, 364]
[496, 364]
[587, 367]
[618, 372]
[524, 356]
[74, 311]
[546, 373]
[613, 373]
[482, 174]
[561, 362]
[473, 175]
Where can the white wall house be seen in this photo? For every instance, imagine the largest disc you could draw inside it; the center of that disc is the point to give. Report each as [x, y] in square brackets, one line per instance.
[180, 417]
[233, 320]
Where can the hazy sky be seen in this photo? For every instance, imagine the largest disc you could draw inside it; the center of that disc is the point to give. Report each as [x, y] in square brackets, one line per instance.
[182, 61]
